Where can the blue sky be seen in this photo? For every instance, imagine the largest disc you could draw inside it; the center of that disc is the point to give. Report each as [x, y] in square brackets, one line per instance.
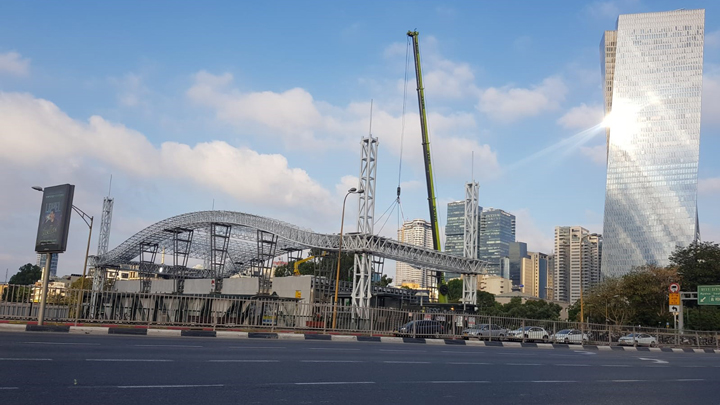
[261, 106]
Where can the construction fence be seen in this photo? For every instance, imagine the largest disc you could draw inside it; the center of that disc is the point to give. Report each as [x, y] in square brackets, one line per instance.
[264, 313]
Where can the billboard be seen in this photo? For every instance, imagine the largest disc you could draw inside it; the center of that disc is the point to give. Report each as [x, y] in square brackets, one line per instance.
[54, 219]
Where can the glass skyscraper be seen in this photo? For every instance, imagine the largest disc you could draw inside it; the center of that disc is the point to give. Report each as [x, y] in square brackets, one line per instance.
[497, 231]
[455, 231]
[652, 75]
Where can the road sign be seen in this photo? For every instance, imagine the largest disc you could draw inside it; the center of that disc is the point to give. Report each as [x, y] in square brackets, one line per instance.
[709, 295]
[675, 308]
[674, 287]
[674, 298]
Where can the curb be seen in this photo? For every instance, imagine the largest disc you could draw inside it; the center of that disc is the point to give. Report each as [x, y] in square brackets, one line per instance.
[142, 331]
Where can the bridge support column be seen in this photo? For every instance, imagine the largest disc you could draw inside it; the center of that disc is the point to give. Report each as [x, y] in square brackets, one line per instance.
[469, 290]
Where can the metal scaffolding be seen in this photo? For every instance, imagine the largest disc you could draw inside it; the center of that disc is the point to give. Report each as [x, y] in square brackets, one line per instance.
[266, 247]
[363, 268]
[470, 237]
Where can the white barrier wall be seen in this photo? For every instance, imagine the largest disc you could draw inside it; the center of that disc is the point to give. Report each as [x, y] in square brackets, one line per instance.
[293, 287]
[241, 286]
[127, 286]
[162, 286]
[199, 286]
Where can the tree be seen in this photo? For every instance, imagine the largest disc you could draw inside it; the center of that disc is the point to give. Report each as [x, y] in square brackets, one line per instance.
[645, 290]
[697, 264]
[27, 275]
[455, 290]
[384, 281]
[485, 301]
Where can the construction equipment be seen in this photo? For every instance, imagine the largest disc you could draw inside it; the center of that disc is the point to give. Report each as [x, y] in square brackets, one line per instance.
[435, 226]
[296, 265]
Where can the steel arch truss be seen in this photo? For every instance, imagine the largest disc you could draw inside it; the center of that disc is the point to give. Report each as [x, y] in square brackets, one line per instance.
[242, 244]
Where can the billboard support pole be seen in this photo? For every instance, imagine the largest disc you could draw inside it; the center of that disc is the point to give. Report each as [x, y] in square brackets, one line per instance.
[44, 289]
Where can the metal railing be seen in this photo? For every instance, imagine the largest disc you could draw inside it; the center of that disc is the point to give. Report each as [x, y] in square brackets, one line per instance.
[259, 313]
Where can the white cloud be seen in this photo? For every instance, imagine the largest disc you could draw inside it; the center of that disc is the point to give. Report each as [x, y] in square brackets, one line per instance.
[538, 240]
[711, 100]
[709, 186]
[507, 104]
[712, 40]
[582, 117]
[13, 63]
[131, 90]
[598, 153]
[298, 120]
[36, 134]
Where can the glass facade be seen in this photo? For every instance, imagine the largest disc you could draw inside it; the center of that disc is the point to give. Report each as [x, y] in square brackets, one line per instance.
[518, 251]
[497, 232]
[455, 227]
[652, 68]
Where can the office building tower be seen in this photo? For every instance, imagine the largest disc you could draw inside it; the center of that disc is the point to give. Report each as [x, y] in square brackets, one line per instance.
[578, 255]
[417, 232]
[497, 232]
[517, 252]
[535, 272]
[652, 67]
[41, 262]
[455, 231]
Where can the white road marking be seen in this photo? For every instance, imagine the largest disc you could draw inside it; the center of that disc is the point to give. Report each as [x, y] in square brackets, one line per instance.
[63, 343]
[172, 386]
[458, 382]
[688, 379]
[130, 360]
[335, 382]
[167, 346]
[523, 364]
[406, 362]
[460, 362]
[22, 359]
[554, 381]
[8, 388]
[624, 381]
[243, 361]
[655, 361]
[573, 365]
[331, 361]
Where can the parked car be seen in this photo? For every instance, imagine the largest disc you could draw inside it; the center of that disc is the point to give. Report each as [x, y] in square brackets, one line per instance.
[421, 329]
[529, 333]
[484, 331]
[570, 336]
[642, 339]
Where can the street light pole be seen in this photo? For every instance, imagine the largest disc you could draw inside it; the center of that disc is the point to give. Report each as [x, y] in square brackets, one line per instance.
[337, 273]
[81, 294]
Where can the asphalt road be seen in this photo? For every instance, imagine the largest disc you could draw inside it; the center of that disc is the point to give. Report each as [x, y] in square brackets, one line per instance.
[40, 368]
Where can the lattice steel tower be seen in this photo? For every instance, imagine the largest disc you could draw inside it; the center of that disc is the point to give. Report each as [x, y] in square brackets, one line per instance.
[470, 237]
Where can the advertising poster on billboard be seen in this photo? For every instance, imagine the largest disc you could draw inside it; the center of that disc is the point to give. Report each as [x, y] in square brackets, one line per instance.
[54, 219]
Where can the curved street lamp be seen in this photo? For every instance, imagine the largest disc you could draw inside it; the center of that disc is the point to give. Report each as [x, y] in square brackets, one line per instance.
[337, 274]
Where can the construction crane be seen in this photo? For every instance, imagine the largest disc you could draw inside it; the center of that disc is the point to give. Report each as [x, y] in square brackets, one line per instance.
[435, 226]
[296, 265]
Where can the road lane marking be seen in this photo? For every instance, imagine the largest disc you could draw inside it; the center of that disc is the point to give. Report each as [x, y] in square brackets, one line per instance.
[173, 386]
[624, 381]
[243, 361]
[688, 379]
[553, 381]
[9, 388]
[335, 382]
[461, 362]
[655, 361]
[405, 362]
[167, 346]
[523, 364]
[573, 365]
[22, 359]
[129, 360]
[63, 343]
[331, 361]
[458, 382]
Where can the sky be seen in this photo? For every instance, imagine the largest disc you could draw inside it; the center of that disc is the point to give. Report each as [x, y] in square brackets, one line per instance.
[259, 107]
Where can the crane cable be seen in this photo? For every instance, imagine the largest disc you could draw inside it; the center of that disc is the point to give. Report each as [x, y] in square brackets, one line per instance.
[402, 130]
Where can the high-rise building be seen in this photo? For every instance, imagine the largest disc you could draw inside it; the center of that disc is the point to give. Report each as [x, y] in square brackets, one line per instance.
[577, 262]
[455, 231]
[517, 252]
[41, 262]
[497, 232]
[417, 232]
[535, 274]
[652, 67]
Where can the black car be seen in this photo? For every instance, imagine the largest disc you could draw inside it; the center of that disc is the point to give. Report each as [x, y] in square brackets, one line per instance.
[421, 329]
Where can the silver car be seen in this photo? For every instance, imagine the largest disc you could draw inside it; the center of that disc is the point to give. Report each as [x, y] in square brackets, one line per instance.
[642, 339]
[529, 333]
[484, 331]
[570, 336]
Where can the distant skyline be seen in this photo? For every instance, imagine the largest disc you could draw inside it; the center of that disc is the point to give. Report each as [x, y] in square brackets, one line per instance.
[260, 107]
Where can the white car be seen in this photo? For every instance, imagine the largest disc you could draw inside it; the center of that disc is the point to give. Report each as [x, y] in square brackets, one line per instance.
[529, 333]
[570, 336]
[642, 339]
